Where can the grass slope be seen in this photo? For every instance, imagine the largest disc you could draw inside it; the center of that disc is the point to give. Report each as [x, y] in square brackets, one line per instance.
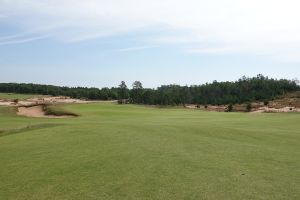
[134, 152]
[58, 110]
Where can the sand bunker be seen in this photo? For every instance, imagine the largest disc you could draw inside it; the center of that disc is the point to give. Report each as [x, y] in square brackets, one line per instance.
[34, 107]
[37, 111]
[35, 101]
[54, 100]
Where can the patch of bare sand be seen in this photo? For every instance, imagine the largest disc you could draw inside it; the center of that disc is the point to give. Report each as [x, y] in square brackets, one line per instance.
[48, 100]
[276, 110]
[6, 103]
[36, 111]
[57, 100]
[212, 108]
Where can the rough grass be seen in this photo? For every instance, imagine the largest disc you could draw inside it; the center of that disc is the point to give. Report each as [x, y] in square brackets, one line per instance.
[12, 96]
[135, 152]
[57, 110]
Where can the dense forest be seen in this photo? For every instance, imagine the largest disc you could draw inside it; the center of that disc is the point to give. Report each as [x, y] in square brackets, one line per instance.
[244, 90]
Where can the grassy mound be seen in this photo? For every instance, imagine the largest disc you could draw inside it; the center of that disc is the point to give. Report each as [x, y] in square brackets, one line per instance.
[57, 110]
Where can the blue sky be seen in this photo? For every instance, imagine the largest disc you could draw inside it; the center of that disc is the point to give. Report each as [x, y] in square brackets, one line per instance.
[99, 43]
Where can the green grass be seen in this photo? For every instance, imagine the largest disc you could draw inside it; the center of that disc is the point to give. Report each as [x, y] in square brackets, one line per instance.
[12, 96]
[58, 110]
[135, 152]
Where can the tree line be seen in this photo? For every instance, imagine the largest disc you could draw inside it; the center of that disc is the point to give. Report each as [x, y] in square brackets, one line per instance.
[259, 88]
[74, 92]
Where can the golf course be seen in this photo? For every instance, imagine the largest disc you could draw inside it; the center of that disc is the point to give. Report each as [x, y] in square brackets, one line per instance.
[149, 100]
[112, 151]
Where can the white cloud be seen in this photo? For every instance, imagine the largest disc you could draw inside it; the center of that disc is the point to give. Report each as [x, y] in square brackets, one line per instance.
[137, 48]
[213, 50]
[256, 26]
[22, 40]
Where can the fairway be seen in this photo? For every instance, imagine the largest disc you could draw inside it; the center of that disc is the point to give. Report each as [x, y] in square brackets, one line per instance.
[136, 152]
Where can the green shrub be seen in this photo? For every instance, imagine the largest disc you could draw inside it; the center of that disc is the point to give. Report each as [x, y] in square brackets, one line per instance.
[249, 107]
[266, 102]
[229, 108]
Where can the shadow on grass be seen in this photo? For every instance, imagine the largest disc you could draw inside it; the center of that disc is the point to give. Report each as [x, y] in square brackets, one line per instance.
[57, 111]
[27, 128]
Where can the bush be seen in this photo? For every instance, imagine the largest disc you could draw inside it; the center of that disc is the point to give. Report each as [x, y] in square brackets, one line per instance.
[229, 108]
[266, 103]
[123, 101]
[249, 107]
